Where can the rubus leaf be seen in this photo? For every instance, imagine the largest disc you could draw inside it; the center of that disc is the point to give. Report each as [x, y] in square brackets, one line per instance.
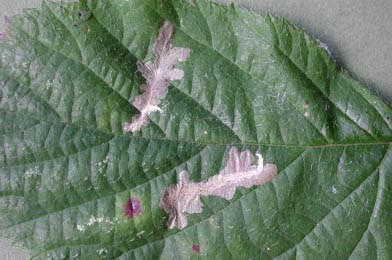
[74, 185]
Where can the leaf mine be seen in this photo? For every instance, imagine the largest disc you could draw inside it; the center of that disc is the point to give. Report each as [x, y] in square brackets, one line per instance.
[184, 197]
[158, 75]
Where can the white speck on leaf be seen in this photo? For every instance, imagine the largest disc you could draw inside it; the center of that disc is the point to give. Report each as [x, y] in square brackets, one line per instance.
[95, 220]
[102, 251]
[140, 233]
[81, 228]
[33, 172]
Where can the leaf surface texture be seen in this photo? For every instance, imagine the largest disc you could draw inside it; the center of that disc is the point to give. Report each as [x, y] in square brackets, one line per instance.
[67, 168]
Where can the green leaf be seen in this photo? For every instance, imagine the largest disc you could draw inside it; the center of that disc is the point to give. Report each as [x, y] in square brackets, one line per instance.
[67, 169]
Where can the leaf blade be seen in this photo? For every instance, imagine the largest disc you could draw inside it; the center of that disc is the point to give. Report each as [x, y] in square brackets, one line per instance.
[248, 98]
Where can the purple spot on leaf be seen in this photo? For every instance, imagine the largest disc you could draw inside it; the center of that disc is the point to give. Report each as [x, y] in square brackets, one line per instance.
[3, 35]
[133, 208]
[196, 248]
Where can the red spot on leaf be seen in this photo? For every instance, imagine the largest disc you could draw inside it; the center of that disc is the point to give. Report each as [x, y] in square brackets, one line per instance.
[4, 34]
[133, 208]
[196, 248]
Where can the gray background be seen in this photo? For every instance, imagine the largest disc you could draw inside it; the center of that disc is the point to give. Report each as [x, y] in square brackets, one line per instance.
[358, 33]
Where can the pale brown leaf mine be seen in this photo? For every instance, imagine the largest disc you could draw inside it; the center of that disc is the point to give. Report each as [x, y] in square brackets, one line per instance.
[158, 75]
[184, 197]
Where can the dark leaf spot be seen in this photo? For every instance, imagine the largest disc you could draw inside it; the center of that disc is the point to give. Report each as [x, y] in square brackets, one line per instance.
[133, 208]
[84, 15]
